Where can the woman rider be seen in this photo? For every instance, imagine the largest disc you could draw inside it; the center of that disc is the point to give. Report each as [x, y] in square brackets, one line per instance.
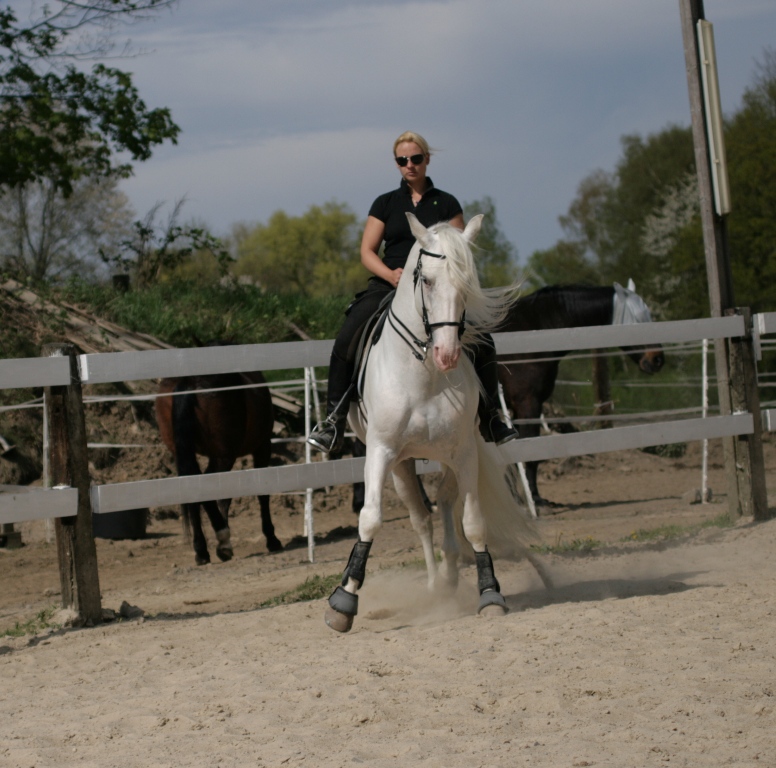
[388, 223]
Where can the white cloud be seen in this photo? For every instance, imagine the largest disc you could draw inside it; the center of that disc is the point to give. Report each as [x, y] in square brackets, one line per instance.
[292, 103]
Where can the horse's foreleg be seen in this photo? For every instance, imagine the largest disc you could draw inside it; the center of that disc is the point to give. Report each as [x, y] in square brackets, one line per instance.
[407, 486]
[491, 600]
[343, 602]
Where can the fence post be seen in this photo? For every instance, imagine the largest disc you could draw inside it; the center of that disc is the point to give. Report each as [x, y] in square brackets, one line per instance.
[68, 465]
[748, 449]
[602, 390]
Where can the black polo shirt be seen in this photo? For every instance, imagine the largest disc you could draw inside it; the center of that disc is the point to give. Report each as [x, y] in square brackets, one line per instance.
[434, 206]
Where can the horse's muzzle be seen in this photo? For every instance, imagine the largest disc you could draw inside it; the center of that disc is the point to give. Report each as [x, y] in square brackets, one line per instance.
[652, 361]
[445, 360]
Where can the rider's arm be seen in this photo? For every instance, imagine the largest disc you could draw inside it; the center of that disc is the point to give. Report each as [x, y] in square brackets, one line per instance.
[370, 244]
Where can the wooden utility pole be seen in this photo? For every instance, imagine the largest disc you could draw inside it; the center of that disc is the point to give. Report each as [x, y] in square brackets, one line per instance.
[69, 466]
[743, 454]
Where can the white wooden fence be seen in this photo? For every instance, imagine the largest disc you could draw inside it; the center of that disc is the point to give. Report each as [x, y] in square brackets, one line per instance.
[17, 504]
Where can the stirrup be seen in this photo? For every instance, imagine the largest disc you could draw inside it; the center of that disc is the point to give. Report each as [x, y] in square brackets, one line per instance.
[328, 436]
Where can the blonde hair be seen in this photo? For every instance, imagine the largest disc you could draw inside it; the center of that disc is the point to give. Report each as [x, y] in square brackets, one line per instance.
[415, 138]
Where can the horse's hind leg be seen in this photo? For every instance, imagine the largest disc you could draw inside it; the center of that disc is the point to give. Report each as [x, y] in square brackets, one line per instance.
[218, 512]
[447, 496]
[267, 528]
[408, 487]
[475, 530]
[193, 523]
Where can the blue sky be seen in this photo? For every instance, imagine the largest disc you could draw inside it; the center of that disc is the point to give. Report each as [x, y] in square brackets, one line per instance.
[284, 104]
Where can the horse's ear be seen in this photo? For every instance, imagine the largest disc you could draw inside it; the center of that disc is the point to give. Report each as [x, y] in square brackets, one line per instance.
[473, 227]
[417, 228]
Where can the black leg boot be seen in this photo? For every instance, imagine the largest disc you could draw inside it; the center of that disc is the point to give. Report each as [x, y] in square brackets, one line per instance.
[328, 435]
[492, 427]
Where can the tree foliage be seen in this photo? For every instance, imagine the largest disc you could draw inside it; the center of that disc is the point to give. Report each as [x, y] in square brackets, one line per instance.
[496, 256]
[751, 152]
[315, 254]
[643, 220]
[59, 122]
[44, 235]
[154, 251]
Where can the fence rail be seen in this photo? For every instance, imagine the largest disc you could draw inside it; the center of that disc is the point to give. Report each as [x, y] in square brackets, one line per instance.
[126, 366]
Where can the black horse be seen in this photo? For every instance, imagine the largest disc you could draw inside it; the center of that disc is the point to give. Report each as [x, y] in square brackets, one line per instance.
[529, 380]
[221, 426]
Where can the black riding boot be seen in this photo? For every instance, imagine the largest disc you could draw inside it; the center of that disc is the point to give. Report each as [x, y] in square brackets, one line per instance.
[492, 427]
[328, 435]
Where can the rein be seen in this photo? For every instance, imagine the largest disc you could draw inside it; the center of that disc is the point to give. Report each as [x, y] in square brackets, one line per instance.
[427, 326]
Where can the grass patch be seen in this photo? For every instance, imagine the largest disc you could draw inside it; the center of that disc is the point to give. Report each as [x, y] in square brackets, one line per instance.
[560, 547]
[662, 533]
[313, 588]
[668, 532]
[41, 621]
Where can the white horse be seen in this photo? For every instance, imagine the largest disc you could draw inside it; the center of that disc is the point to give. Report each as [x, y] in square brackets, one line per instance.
[419, 401]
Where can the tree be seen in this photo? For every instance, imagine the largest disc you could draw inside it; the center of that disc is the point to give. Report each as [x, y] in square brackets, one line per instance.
[45, 235]
[496, 256]
[604, 225]
[750, 139]
[564, 263]
[315, 254]
[155, 250]
[575, 258]
[58, 122]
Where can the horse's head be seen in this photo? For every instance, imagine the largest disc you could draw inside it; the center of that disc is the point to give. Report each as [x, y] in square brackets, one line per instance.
[629, 307]
[443, 275]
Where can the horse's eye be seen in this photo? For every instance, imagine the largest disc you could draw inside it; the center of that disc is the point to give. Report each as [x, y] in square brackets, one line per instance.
[426, 282]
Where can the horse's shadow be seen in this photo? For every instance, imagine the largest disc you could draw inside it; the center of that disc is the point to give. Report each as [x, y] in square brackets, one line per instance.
[300, 542]
[598, 590]
[554, 507]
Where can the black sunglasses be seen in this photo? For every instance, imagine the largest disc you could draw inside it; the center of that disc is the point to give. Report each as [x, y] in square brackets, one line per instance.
[416, 160]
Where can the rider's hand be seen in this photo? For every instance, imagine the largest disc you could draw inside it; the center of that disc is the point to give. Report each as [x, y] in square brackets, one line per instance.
[396, 276]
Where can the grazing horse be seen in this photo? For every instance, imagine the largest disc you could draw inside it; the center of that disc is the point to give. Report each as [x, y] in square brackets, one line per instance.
[529, 380]
[222, 426]
[419, 398]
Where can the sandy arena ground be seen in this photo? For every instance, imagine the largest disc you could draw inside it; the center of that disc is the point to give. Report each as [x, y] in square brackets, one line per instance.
[643, 654]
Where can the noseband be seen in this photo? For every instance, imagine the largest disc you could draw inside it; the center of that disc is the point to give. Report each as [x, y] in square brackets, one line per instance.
[417, 276]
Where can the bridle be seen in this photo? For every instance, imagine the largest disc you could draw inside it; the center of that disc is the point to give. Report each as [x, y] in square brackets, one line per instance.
[417, 277]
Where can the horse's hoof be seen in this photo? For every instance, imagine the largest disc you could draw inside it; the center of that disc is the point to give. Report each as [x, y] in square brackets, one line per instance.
[342, 607]
[274, 545]
[202, 559]
[339, 622]
[492, 603]
[225, 554]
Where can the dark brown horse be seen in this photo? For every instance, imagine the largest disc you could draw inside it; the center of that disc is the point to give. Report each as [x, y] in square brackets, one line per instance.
[527, 385]
[221, 426]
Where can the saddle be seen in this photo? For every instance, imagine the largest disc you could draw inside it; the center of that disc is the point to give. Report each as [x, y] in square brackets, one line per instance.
[368, 337]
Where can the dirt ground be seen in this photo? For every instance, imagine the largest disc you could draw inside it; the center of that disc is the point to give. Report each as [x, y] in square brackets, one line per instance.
[642, 653]
[605, 498]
